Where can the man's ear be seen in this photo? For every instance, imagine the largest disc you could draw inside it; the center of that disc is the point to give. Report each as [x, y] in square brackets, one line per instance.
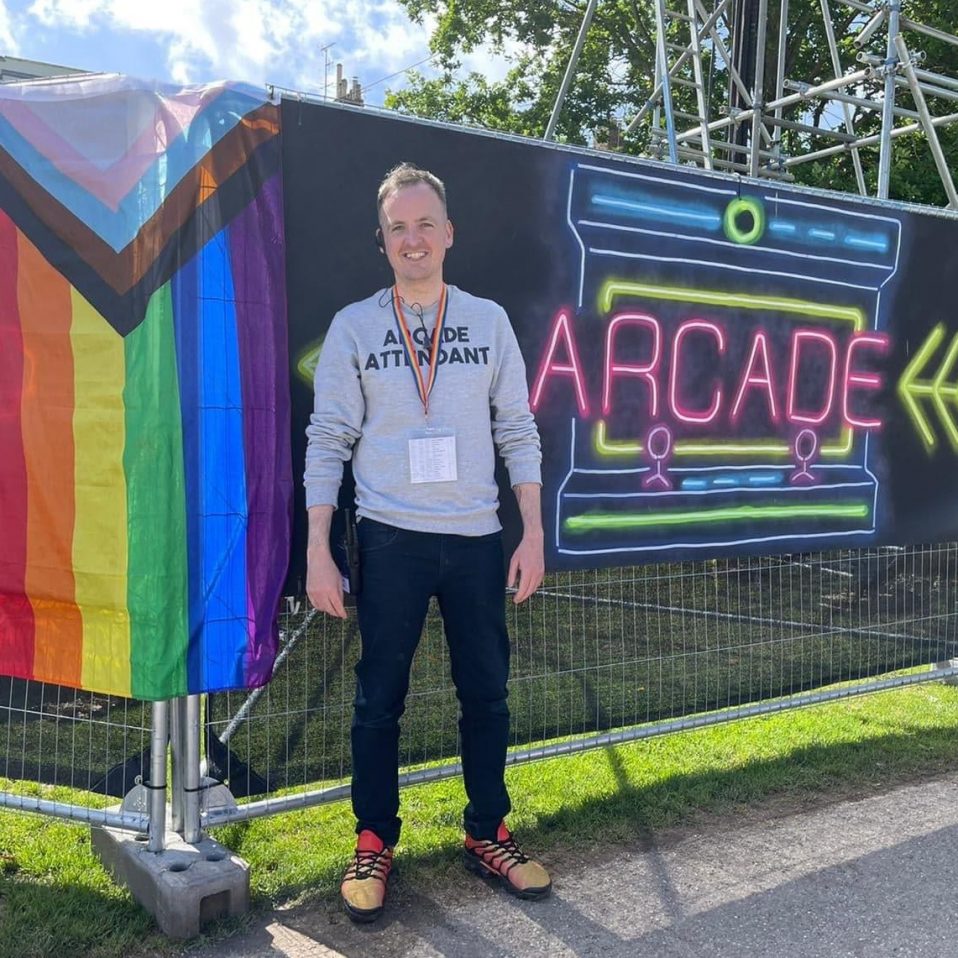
[449, 233]
[380, 243]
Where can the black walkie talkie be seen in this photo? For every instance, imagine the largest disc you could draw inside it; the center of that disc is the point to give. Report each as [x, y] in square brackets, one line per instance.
[353, 570]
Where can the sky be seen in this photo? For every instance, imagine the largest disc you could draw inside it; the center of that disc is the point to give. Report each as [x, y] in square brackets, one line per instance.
[258, 41]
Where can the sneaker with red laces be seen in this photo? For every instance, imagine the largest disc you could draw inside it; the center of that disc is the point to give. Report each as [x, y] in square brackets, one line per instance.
[364, 883]
[502, 860]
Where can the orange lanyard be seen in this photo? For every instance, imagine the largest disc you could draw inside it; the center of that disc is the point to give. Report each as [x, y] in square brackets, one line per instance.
[423, 386]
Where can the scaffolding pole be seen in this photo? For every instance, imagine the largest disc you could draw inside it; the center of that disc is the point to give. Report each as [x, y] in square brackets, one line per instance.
[928, 31]
[178, 763]
[780, 76]
[726, 56]
[936, 78]
[814, 91]
[870, 28]
[657, 90]
[570, 70]
[846, 112]
[662, 69]
[870, 105]
[713, 35]
[928, 88]
[700, 98]
[758, 92]
[926, 121]
[887, 117]
[870, 140]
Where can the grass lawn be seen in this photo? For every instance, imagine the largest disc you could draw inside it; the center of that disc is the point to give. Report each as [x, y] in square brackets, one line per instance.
[615, 648]
[56, 900]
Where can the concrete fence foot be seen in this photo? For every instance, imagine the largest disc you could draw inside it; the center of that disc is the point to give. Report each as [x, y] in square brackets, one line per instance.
[185, 886]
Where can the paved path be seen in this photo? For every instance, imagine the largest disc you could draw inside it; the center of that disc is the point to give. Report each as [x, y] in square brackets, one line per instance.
[869, 878]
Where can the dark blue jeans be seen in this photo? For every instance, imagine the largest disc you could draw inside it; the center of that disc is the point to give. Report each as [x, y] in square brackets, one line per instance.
[401, 571]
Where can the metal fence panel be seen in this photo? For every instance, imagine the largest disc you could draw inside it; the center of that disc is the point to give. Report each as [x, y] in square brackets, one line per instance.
[54, 735]
[610, 649]
[598, 657]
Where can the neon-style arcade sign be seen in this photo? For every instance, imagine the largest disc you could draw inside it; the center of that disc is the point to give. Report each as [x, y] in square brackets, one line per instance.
[735, 390]
[809, 350]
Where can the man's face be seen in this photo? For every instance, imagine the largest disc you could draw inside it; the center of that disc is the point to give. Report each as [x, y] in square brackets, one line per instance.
[416, 233]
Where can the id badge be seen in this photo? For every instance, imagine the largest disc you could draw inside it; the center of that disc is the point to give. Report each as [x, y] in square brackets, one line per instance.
[432, 456]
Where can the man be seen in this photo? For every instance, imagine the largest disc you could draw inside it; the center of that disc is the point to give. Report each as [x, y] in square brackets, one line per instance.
[419, 384]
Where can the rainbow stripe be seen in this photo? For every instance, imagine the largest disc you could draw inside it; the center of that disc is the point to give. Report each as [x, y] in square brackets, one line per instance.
[145, 481]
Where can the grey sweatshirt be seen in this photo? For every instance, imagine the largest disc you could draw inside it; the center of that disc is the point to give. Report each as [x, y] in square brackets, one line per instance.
[367, 406]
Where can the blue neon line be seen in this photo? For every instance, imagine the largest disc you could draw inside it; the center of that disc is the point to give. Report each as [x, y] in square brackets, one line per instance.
[765, 480]
[759, 479]
[712, 220]
[854, 240]
[864, 242]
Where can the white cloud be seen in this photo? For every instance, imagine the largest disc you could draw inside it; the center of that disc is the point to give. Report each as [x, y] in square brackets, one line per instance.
[371, 38]
[276, 41]
[8, 43]
[254, 40]
[174, 23]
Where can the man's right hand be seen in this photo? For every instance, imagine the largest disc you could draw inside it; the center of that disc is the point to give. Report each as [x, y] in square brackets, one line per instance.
[324, 584]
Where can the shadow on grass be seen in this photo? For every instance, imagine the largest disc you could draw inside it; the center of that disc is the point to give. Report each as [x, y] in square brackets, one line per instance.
[809, 777]
[584, 831]
[40, 919]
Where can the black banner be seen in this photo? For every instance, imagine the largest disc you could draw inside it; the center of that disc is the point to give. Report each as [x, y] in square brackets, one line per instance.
[718, 367]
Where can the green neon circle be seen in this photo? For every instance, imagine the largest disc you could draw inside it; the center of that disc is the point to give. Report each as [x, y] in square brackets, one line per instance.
[744, 204]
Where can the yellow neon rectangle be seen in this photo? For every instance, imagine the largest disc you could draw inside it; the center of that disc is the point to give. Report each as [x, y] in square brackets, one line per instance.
[683, 447]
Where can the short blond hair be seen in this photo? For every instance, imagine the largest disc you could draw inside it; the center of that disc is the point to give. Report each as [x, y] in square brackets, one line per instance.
[406, 174]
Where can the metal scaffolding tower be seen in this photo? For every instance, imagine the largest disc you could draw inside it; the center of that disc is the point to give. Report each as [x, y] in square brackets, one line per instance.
[744, 133]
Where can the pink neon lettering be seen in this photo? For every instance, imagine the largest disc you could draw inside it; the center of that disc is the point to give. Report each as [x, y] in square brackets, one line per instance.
[680, 412]
[647, 371]
[549, 366]
[798, 337]
[861, 380]
[751, 380]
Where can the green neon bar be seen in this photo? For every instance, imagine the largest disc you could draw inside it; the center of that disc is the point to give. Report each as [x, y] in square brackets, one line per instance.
[639, 520]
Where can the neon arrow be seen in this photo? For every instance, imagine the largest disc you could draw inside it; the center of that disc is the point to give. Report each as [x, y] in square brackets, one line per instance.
[306, 365]
[941, 391]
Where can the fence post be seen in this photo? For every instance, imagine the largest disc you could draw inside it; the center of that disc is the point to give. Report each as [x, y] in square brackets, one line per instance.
[185, 746]
[192, 832]
[183, 881]
[177, 725]
[157, 791]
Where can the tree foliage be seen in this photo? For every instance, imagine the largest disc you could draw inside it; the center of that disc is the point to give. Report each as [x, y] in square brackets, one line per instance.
[614, 78]
[538, 37]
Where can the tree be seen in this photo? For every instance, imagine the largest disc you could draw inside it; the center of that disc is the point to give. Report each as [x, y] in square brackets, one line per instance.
[615, 72]
[538, 36]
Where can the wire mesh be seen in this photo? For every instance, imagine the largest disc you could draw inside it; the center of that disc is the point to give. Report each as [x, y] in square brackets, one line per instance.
[642, 648]
[609, 649]
[52, 735]
[62, 751]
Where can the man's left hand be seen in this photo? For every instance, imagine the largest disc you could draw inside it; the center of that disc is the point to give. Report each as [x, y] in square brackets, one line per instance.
[527, 567]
